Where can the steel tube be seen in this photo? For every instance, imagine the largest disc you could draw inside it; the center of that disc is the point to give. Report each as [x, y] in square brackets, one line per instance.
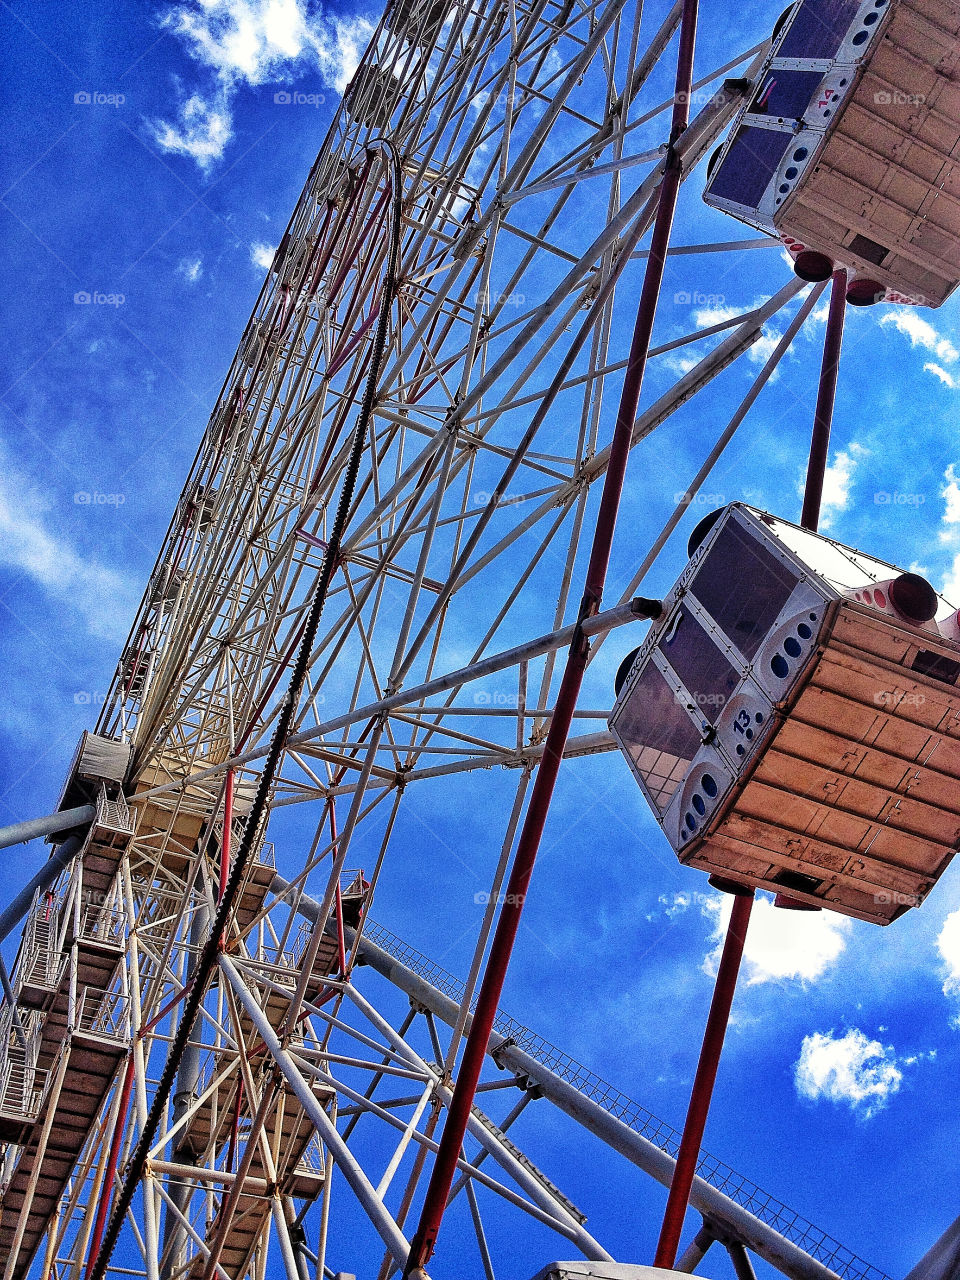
[634, 610]
[184, 1096]
[704, 1081]
[14, 912]
[741, 1263]
[387, 1229]
[696, 1250]
[758, 1236]
[106, 1193]
[64, 820]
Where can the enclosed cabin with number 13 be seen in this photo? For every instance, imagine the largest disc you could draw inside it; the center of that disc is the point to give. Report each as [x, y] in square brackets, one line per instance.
[793, 718]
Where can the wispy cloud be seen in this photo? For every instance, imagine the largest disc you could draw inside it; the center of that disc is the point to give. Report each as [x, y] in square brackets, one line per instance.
[922, 334]
[837, 481]
[947, 379]
[762, 349]
[202, 130]
[948, 945]
[261, 255]
[781, 945]
[851, 1069]
[949, 532]
[30, 543]
[191, 269]
[250, 42]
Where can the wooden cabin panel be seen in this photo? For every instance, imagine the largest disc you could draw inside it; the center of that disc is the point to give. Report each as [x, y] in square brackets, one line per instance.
[817, 857]
[849, 827]
[925, 31]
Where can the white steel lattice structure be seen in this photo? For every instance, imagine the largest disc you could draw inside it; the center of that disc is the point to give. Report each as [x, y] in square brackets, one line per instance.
[529, 144]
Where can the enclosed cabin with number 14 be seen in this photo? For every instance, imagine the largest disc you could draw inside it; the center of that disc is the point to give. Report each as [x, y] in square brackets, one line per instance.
[847, 147]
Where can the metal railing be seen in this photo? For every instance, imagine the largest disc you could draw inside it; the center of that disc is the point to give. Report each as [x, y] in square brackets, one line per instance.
[791, 1225]
[311, 1162]
[103, 1014]
[113, 815]
[41, 963]
[22, 1090]
[31, 1026]
[102, 923]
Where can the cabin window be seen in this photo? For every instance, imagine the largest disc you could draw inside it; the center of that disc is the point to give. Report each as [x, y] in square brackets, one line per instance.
[786, 94]
[658, 734]
[748, 166]
[818, 28]
[705, 671]
[743, 586]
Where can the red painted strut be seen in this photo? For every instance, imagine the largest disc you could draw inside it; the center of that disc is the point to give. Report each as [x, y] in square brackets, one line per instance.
[704, 1081]
[823, 418]
[740, 916]
[227, 841]
[528, 844]
[106, 1190]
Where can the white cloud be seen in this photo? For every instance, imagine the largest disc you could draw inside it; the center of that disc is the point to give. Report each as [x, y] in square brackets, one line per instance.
[921, 334]
[242, 39]
[765, 345]
[261, 255]
[950, 531]
[202, 131]
[781, 945]
[680, 363]
[191, 269]
[850, 1068]
[30, 544]
[676, 904]
[947, 379]
[948, 944]
[950, 587]
[339, 55]
[707, 317]
[249, 42]
[837, 482]
[951, 496]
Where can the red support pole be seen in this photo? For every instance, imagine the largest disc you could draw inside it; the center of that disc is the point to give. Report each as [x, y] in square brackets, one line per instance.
[704, 1081]
[819, 450]
[341, 942]
[227, 833]
[823, 418]
[508, 923]
[106, 1190]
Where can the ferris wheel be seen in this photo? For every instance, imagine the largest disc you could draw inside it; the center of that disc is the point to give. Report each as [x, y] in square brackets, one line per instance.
[387, 575]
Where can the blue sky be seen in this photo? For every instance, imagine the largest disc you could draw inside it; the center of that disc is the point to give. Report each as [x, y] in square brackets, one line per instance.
[147, 165]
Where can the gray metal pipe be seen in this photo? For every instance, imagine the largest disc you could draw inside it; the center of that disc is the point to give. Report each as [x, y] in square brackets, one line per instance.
[387, 1228]
[741, 1263]
[756, 1235]
[21, 832]
[696, 1250]
[942, 1260]
[12, 914]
